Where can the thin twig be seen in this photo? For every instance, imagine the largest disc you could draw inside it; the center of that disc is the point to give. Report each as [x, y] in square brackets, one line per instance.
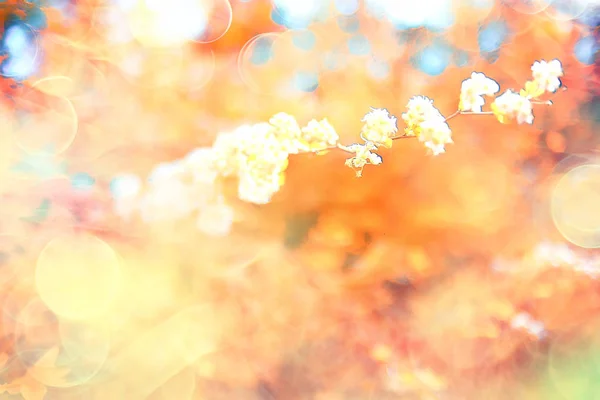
[457, 112]
[347, 150]
[453, 115]
[344, 148]
[476, 113]
[403, 137]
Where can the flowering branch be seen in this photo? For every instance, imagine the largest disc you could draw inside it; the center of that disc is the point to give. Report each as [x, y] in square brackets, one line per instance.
[427, 123]
[455, 114]
[257, 155]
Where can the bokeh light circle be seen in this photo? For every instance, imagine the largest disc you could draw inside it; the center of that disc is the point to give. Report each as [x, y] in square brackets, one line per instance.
[156, 23]
[61, 56]
[74, 15]
[178, 68]
[469, 19]
[566, 10]
[347, 7]
[197, 70]
[434, 58]
[286, 63]
[586, 49]
[43, 123]
[149, 67]
[528, 6]
[60, 86]
[574, 205]
[78, 276]
[85, 86]
[86, 349]
[111, 24]
[297, 14]
[220, 17]
[253, 60]
[22, 44]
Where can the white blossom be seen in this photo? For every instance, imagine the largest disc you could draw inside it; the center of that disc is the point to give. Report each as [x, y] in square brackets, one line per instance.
[215, 219]
[547, 74]
[511, 105]
[473, 89]
[379, 127]
[169, 201]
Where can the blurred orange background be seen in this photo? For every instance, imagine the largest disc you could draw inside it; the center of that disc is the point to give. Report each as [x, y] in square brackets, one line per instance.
[469, 275]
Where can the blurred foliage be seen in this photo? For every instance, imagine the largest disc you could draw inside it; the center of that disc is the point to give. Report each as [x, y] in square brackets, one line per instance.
[404, 284]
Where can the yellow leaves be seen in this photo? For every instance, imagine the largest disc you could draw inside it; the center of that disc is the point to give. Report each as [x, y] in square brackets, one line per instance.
[45, 369]
[413, 130]
[281, 179]
[32, 385]
[28, 387]
[499, 114]
[387, 143]
[532, 90]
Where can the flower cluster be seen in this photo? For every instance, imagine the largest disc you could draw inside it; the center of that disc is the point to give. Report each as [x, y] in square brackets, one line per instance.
[363, 155]
[547, 74]
[473, 89]
[427, 123]
[379, 129]
[318, 135]
[174, 191]
[513, 106]
[256, 155]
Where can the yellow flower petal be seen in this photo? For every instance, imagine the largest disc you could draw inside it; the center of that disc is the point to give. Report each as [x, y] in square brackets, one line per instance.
[532, 90]
[499, 114]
